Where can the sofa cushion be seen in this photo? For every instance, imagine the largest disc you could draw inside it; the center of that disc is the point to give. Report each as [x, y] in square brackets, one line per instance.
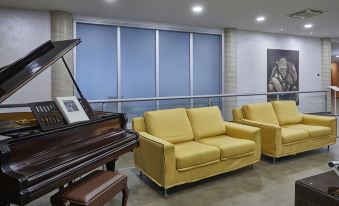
[314, 131]
[193, 154]
[206, 122]
[237, 114]
[171, 125]
[230, 147]
[287, 112]
[293, 135]
[261, 112]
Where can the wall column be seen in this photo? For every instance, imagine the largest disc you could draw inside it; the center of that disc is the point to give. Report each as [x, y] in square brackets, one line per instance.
[62, 29]
[230, 71]
[326, 50]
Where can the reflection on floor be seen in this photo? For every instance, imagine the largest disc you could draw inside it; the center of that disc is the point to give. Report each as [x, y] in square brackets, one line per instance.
[265, 185]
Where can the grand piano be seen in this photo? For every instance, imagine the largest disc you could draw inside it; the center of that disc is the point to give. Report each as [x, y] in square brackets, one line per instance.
[39, 151]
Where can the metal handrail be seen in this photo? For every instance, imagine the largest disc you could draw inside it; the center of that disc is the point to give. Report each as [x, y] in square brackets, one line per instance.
[202, 96]
[183, 97]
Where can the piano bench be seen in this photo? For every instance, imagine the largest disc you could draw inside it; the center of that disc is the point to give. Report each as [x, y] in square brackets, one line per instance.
[95, 189]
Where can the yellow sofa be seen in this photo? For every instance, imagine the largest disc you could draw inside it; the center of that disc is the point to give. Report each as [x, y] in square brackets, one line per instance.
[285, 131]
[179, 146]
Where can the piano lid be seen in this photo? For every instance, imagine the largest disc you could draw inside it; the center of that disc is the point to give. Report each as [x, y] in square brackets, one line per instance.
[19, 73]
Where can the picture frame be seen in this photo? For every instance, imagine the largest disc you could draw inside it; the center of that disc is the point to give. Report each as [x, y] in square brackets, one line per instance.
[71, 109]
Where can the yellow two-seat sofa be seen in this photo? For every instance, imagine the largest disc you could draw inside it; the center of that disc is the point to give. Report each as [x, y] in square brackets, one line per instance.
[286, 131]
[179, 146]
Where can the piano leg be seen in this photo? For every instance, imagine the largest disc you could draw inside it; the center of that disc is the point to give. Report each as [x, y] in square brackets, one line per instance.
[110, 166]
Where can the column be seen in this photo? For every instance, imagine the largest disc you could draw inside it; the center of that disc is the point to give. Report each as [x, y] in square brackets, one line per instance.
[230, 71]
[62, 29]
[326, 51]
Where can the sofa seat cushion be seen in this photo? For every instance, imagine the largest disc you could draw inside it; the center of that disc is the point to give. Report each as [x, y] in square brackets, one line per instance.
[314, 131]
[230, 147]
[171, 125]
[260, 112]
[193, 154]
[290, 135]
[206, 122]
[287, 112]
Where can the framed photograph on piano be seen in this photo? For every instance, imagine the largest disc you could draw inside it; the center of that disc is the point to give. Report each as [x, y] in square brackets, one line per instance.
[71, 109]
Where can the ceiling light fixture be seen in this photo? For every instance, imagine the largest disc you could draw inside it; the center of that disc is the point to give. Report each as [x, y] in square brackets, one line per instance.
[261, 18]
[282, 29]
[337, 56]
[110, 1]
[308, 26]
[197, 9]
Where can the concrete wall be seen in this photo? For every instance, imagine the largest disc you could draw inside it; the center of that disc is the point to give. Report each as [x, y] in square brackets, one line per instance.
[252, 65]
[20, 32]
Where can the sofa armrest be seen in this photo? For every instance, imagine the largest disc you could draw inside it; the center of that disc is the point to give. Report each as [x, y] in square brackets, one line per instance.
[156, 158]
[271, 139]
[245, 132]
[321, 121]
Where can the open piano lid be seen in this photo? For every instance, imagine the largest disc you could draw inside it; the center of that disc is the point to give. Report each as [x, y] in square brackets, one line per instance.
[17, 74]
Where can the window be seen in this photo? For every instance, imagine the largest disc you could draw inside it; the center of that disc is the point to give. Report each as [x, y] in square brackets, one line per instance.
[174, 68]
[137, 69]
[123, 62]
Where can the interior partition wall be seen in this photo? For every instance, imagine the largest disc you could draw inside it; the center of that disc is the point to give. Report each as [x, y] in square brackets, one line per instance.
[122, 61]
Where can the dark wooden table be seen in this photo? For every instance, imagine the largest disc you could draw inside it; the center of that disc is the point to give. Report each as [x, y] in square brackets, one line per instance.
[318, 190]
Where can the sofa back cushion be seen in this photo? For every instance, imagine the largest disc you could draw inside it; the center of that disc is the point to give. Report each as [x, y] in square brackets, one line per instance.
[237, 114]
[287, 112]
[171, 125]
[261, 112]
[206, 122]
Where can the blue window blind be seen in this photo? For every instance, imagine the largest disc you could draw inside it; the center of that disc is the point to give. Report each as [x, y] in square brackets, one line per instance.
[137, 69]
[96, 61]
[206, 64]
[174, 50]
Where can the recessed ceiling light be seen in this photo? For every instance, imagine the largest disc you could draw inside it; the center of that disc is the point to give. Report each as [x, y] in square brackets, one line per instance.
[311, 33]
[110, 1]
[282, 29]
[308, 26]
[260, 18]
[337, 56]
[197, 9]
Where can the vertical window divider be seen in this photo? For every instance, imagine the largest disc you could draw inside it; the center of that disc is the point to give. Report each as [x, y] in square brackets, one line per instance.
[191, 69]
[157, 65]
[119, 66]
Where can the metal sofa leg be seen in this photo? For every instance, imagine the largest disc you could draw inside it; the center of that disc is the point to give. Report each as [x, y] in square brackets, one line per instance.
[165, 193]
[274, 160]
[328, 147]
[252, 166]
[140, 174]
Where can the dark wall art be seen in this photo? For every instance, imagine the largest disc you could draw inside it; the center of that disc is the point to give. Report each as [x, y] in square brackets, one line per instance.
[282, 73]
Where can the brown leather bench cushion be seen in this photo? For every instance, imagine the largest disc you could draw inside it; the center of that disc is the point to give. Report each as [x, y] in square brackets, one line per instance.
[97, 188]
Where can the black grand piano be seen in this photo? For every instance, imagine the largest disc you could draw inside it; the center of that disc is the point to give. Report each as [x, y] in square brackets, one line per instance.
[39, 151]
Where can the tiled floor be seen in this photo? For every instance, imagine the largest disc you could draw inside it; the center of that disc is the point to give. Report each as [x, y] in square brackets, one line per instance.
[265, 185]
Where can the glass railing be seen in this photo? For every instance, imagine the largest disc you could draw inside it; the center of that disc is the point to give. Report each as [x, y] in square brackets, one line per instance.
[308, 102]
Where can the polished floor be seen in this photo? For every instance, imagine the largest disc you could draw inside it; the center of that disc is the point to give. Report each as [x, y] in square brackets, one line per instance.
[265, 185]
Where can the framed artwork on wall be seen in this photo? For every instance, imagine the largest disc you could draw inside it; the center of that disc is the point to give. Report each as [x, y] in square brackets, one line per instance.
[282, 73]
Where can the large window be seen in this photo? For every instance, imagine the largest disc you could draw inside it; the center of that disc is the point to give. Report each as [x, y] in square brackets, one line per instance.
[174, 68]
[137, 69]
[122, 62]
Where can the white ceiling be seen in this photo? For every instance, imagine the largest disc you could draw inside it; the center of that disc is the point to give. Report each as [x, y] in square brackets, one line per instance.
[238, 14]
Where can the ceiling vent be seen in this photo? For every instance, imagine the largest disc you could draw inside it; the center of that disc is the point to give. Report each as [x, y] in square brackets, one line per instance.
[306, 13]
